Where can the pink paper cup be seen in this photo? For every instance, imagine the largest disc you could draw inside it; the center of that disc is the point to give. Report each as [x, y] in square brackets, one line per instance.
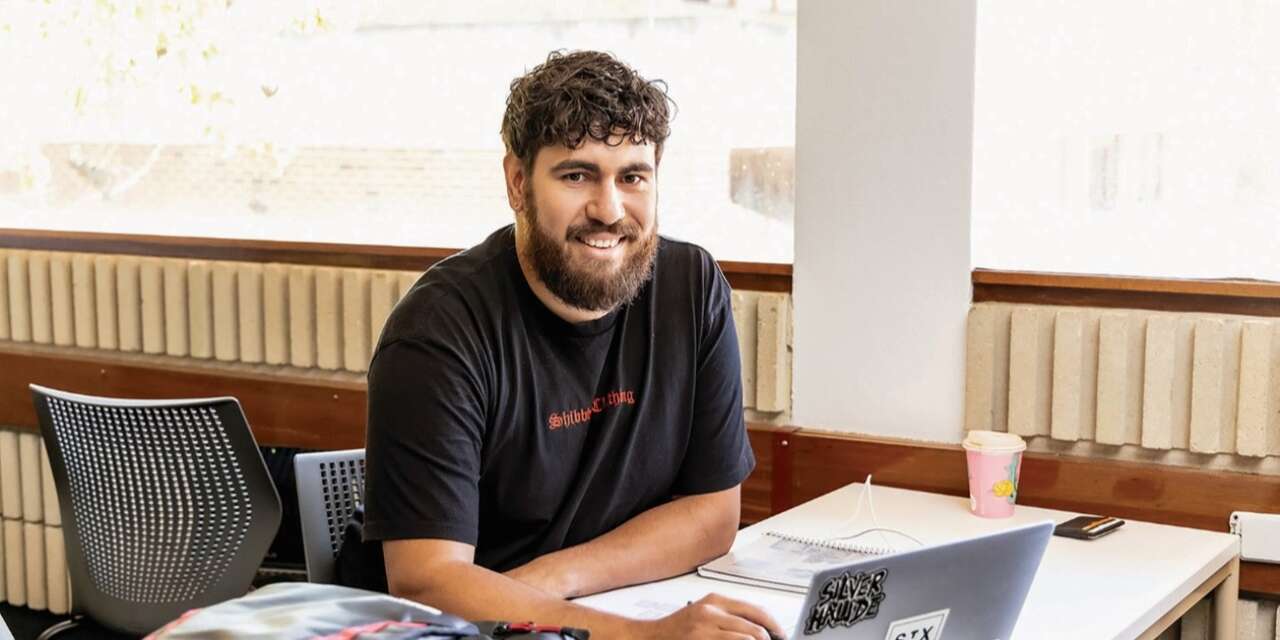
[995, 465]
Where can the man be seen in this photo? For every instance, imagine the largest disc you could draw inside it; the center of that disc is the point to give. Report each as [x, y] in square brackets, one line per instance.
[558, 410]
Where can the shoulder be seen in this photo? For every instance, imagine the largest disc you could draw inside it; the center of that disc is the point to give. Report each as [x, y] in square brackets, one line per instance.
[679, 258]
[447, 297]
[686, 266]
[466, 270]
[682, 250]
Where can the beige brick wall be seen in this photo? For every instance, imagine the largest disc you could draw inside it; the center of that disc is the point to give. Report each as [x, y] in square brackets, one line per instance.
[296, 315]
[1194, 388]
[33, 564]
[1255, 620]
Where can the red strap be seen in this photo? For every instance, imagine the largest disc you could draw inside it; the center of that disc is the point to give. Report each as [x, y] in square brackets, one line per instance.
[351, 633]
[529, 627]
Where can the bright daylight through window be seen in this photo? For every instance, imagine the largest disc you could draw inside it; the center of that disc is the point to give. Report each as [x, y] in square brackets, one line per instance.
[321, 121]
[1130, 139]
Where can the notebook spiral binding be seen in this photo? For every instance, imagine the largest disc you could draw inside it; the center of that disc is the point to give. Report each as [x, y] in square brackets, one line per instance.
[838, 545]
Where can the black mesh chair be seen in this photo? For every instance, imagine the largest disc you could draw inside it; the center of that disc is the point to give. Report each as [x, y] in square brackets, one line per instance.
[330, 486]
[166, 504]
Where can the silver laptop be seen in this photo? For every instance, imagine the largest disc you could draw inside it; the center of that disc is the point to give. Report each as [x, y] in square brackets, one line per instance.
[965, 590]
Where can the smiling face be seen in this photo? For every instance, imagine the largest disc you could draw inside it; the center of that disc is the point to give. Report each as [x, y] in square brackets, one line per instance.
[586, 227]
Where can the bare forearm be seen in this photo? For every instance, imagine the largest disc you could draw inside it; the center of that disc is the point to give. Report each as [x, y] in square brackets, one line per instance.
[477, 593]
[667, 540]
[441, 573]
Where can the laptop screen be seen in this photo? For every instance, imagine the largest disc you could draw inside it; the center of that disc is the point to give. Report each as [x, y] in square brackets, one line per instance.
[972, 588]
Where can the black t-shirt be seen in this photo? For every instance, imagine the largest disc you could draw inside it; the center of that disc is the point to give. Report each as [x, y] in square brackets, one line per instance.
[494, 422]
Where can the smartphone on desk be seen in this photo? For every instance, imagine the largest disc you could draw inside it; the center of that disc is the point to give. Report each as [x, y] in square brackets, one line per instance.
[1087, 527]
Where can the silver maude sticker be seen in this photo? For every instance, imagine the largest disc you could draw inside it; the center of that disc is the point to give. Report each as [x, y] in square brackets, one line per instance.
[926, 626]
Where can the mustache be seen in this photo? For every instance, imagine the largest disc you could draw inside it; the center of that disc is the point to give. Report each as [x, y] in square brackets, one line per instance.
[626, 228]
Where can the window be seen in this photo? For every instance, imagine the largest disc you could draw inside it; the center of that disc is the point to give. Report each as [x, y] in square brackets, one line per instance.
[378, 127]
[1129, 138]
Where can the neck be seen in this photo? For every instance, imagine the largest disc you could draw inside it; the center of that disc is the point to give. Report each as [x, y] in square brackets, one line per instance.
[564, 310]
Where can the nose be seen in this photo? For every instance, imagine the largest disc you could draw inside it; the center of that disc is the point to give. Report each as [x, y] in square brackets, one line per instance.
[606, 207]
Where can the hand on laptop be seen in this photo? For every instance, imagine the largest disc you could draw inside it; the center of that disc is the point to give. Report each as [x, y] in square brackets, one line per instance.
[719, 618]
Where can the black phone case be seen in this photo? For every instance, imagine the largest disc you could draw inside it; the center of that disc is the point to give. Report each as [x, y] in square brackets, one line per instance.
[1075, 528]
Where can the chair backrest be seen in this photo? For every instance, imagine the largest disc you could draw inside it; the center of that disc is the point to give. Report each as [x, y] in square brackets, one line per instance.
[330, 485]
[166, 504]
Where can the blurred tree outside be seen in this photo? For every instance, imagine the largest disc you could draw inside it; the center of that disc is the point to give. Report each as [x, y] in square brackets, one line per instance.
[76, 65]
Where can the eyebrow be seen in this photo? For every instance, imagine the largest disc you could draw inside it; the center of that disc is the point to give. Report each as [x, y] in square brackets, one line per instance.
[637, 167]
[583, 165]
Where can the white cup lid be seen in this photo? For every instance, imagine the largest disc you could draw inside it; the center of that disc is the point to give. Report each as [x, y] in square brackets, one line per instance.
[993, 442]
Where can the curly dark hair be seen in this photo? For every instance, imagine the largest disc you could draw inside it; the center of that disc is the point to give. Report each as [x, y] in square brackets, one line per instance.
[573, 96]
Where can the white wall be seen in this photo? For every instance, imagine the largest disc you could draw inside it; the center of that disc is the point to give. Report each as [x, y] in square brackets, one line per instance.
[884, 167]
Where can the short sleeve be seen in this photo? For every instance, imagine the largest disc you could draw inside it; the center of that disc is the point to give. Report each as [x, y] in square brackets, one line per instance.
[719, 455]
[423, 443]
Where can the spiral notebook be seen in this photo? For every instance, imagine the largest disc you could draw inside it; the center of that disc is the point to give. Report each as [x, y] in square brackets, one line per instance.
[786, 562]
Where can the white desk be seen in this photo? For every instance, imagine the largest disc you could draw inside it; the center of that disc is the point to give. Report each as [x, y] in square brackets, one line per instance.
[1130, 584]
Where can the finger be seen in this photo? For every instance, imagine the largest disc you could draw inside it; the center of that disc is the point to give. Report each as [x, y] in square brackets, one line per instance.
[707, 614]
[748, 611]
[706, 624]
[736, 625]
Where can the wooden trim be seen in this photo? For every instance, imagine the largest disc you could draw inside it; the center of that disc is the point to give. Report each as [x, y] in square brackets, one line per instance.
[783, 473]
[317, 253]
[749, 276]
[1260, 580]
[757, 490]
[761, 490]
[285, 407]
[1245, 297]
[1230, 288]
[757, 276]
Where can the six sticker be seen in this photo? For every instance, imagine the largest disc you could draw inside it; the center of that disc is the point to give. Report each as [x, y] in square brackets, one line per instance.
[926, 626]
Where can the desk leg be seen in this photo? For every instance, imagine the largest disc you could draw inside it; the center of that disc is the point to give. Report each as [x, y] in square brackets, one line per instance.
[1225, 598]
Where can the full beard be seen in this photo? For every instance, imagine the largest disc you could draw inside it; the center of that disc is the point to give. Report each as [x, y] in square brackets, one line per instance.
[582, 285]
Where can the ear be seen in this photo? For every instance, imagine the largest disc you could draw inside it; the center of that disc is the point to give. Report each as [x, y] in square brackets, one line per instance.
[513, 169]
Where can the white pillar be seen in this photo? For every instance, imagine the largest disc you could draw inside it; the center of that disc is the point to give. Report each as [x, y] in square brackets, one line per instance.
[884, 159]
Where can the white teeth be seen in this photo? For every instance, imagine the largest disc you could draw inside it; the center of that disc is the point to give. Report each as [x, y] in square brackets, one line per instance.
[601, 244]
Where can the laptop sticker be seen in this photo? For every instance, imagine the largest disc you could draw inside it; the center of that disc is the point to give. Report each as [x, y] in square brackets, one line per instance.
[846, 599]
[926, 626]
